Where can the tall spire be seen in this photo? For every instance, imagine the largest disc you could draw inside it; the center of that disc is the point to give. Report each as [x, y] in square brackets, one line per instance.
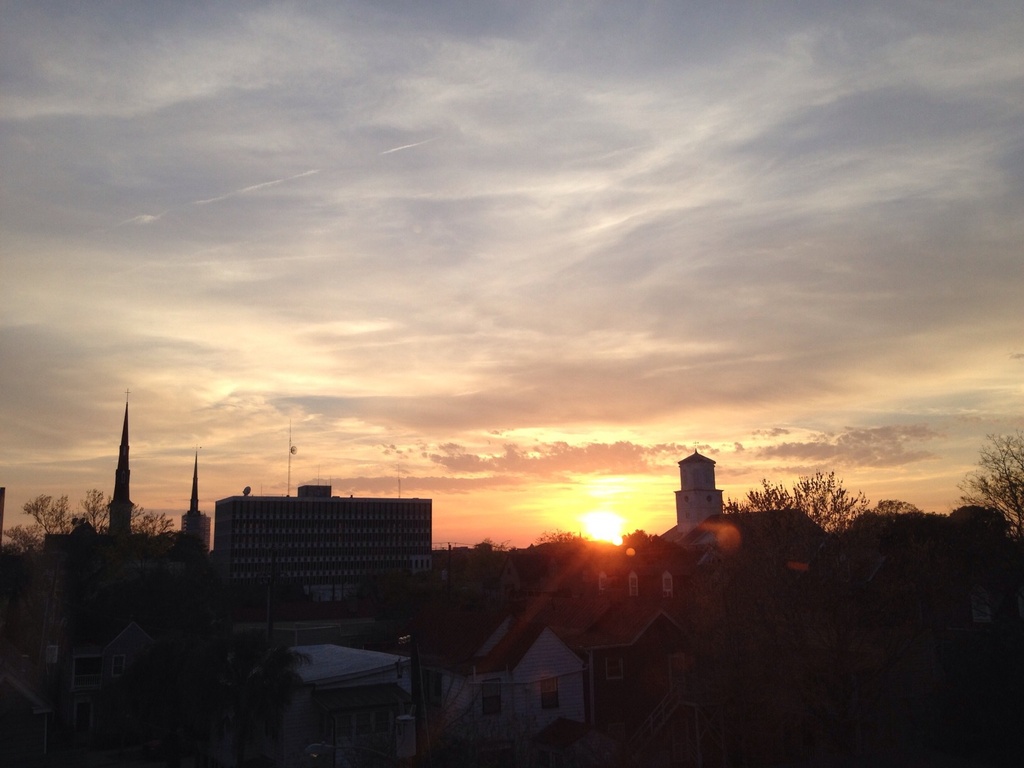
[195, 522]
[121, 503]
[193, 507]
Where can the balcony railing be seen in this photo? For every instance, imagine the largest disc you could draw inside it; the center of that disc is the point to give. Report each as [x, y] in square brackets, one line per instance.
[86, 681]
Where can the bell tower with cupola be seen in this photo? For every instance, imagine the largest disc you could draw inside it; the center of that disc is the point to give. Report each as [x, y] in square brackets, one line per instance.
[697, 498]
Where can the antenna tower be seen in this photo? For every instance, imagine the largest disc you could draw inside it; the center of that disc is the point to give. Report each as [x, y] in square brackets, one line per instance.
[292, 450]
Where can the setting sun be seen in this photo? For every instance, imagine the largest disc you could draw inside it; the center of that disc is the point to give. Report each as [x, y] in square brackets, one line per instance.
[603, 526]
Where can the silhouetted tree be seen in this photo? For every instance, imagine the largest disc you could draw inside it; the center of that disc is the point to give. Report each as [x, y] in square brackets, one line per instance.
[896, 507]
[150, 523]
[52, 515]
[23, 539]
[254, 684]
[638, 540]
[556, 536]
[998, 482]
[94, 508]
[821, 497]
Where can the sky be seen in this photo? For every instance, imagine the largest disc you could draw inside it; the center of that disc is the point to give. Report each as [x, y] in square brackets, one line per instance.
[518, 258]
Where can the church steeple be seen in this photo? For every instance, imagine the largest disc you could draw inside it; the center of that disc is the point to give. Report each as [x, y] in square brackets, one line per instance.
[193, 507]
[195, 522]
[121, 503]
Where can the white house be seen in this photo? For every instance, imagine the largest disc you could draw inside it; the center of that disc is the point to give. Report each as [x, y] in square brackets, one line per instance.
[496, 683]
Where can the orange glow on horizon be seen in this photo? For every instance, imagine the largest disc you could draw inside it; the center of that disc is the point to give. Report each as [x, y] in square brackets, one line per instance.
[603, 526]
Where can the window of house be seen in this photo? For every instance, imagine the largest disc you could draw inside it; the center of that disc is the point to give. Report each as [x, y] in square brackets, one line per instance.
[981, 606]
[364, 723]
[433, 686]
[602, 581]
[666, 584]
[343, 725]
[613, 668]
[634, 584]
[549, 693]
[491, 696]
[117, 665]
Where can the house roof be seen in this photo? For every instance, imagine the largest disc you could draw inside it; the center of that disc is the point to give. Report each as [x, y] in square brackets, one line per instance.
[332, 662]
[132, 629]
[449, 636]
[623, 625]
[790, 531]
[565, 568]
[599, 621]
[567, 616]
[511, 648]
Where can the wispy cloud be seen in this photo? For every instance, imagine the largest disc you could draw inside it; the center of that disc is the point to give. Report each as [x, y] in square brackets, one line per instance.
[253, 188]
[408, 146]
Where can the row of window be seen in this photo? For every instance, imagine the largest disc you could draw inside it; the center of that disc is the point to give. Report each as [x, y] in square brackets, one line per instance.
[364, 539]
[260, 571]
[667, 589]
[315, 511]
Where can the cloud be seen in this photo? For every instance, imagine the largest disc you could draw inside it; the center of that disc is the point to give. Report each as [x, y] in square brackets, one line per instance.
[634, 225]
[558, 459]
[408, 146]
[889, 446]
[253, 188]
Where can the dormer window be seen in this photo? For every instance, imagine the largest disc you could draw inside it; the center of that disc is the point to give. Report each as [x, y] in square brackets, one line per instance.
[634, 584]
[666, 584]
[602, 581]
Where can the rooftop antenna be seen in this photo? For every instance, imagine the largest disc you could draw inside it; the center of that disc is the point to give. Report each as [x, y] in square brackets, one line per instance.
[292, 450]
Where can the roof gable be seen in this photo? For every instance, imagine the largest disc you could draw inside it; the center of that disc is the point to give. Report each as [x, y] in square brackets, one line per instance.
[330, 662]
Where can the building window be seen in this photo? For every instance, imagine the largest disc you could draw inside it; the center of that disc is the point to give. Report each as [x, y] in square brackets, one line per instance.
[117, 665]
[364, 723]
[666, 584]
[343, 725]
[981, 606]
[491, 696]
[634, 584]
[613, 668]
[602, 581]
[433, 686]
[549, 693]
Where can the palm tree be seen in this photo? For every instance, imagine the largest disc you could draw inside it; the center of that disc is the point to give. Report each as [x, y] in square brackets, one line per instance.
[254, 684]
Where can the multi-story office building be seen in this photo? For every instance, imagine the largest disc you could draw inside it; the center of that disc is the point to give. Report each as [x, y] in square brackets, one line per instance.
[321, 542]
